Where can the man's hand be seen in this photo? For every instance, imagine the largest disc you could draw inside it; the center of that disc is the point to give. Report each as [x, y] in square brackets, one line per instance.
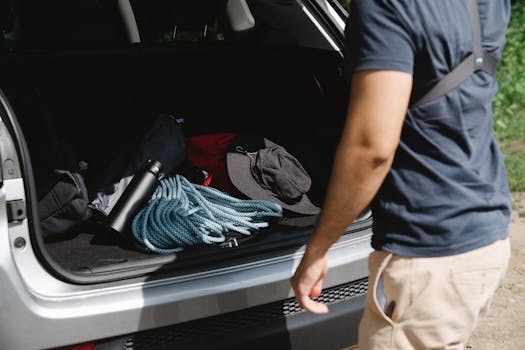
[308, 282]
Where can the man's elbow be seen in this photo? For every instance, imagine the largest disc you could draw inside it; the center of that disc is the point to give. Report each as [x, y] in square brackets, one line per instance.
[369, 152]
[379, 155]
[378, 160]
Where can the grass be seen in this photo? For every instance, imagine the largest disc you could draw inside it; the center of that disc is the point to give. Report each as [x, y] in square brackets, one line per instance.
[509, 103]
[515, 164]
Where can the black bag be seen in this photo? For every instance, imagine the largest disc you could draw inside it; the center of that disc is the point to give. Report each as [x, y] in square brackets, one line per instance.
[63, 205]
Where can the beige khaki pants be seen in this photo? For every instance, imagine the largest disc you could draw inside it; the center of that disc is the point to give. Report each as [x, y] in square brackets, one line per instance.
[429, 303]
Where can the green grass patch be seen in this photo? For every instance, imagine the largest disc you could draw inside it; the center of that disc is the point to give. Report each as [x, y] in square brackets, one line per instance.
[509, 103]
[515, 164]
[345, 3]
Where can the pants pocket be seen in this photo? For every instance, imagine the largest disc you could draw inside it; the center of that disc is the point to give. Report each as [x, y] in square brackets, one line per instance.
[380, 302]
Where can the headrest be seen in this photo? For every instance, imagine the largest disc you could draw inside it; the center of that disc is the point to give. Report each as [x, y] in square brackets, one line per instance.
[240, 16]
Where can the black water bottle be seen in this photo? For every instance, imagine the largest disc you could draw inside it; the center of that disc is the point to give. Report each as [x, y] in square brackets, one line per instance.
[136, 195]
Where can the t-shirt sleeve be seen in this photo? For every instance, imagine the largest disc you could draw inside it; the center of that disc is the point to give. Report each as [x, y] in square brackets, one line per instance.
[376, 38]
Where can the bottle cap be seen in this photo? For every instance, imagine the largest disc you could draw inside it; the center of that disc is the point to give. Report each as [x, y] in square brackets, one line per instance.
[154, 167]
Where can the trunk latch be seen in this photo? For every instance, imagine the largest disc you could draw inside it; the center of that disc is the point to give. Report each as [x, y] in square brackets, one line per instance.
[16, 210]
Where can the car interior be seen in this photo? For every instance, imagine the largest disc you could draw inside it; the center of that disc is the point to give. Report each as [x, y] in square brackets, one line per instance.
[86, 78]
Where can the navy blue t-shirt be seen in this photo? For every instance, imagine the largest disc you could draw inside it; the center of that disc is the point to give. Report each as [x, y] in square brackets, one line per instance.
[447, 190]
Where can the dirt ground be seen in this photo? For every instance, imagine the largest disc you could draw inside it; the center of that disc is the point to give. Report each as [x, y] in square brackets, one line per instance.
[503, 328]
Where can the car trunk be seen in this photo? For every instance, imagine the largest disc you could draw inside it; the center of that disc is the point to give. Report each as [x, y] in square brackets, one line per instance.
[89, 105]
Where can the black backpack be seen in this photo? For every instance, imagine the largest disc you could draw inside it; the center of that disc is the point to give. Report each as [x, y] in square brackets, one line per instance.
[62, 205]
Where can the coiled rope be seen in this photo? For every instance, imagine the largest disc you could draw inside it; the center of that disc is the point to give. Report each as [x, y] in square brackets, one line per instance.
[181, 214]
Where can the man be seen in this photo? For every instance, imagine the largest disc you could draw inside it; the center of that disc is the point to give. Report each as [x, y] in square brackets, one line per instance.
[431, 170]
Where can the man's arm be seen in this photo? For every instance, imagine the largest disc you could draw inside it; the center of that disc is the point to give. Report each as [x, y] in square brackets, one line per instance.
[378, 104]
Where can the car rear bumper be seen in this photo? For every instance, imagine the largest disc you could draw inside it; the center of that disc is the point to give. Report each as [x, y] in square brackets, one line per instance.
[279, 325]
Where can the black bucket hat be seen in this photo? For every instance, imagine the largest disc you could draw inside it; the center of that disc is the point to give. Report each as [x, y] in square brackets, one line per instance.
[271, 173]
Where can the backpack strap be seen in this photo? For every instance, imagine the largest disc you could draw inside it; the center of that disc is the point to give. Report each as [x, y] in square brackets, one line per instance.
[479, 59]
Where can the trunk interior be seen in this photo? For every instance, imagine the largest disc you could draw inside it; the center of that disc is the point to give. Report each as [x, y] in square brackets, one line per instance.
[91, 106]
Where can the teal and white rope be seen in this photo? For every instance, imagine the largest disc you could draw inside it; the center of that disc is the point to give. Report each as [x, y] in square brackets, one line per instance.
[181, 214]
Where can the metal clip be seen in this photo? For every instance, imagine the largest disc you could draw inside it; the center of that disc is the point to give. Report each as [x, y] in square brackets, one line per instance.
[478, 62]
[230, 243]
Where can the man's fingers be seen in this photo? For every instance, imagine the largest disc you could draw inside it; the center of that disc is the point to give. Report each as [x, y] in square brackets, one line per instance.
[308, 304]
[312, 306]
[317, 288]
[308, 282]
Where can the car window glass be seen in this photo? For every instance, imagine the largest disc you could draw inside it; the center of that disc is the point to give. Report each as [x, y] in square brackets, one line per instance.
[87, 24]
[62, 24]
